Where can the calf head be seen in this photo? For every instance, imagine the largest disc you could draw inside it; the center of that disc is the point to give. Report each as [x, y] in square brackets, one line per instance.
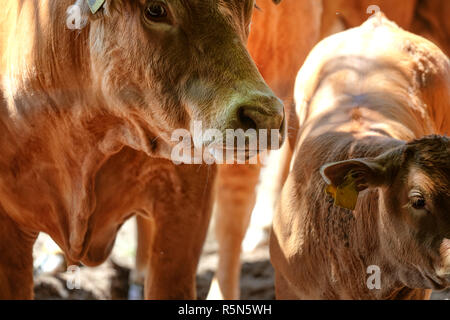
[414, 206]
[170, 63]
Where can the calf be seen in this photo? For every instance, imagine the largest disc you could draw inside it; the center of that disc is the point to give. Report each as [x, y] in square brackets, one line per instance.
[369, 100]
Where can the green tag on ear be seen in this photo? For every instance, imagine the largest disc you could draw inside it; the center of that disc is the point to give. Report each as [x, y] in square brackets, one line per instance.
[95, 5]
[344, 195]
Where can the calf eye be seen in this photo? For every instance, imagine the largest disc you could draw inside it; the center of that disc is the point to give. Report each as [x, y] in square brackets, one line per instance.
[418, 203]
[155, 11]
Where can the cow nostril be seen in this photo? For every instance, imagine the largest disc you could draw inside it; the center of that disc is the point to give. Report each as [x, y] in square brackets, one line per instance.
[253, 117]
[266, 118]
[245, 119]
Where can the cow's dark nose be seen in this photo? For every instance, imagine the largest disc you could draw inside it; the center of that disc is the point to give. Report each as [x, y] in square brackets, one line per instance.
[262, 114]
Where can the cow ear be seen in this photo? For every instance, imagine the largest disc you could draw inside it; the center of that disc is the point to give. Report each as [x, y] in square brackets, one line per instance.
[345, 179]
[363, 172]
[276, 1]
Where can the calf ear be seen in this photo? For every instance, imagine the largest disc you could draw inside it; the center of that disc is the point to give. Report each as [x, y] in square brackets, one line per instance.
[363, 172]
[346, 179]
[276, 1]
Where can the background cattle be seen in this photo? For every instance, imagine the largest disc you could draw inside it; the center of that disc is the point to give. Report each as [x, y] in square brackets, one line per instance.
[366, 100]
[280, 39]
[427, 18]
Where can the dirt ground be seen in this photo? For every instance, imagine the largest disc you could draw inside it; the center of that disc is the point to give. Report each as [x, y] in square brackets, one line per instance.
[110, 280]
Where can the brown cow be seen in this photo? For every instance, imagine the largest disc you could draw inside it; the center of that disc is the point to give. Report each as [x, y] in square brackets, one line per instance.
[428, 18]
[86, 119]
[431, 21]
[275, 27]
[362, 95]
[339, 15]
[280, 39]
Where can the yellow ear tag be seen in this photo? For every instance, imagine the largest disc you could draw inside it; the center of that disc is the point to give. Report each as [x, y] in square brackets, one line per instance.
[345, 195]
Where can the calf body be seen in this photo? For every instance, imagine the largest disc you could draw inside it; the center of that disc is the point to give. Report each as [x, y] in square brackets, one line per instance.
[362, 95]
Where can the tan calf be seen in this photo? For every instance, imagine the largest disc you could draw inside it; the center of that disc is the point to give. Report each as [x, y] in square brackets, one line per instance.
[366, 99]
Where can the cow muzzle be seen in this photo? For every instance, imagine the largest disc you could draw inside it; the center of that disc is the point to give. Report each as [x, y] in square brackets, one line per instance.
[258, 116]
[444, 269]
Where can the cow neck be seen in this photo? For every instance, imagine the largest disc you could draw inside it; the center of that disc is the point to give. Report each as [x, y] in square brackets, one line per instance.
[57, 130]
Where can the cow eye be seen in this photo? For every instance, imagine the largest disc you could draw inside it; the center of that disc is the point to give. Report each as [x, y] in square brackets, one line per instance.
[155, 11]
[417, 200]
[418, 203]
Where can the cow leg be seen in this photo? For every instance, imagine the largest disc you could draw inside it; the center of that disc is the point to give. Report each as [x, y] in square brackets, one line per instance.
[235, 199]
[145, 233]
[181, 216]
[143, 249]
[16, 260]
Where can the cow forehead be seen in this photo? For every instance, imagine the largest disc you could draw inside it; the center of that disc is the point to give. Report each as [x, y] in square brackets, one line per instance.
[195, 9]
[209, 3]
[232, 5]
[220, 2]
[196, 3]
[430, 153]
[430, 165]
[418, 177]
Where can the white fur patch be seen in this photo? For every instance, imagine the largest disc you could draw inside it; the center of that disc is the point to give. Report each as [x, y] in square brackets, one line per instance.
[77, 15]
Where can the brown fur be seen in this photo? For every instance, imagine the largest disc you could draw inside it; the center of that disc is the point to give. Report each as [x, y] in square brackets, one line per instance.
[86, 118]
[280, 39]
[427, 18]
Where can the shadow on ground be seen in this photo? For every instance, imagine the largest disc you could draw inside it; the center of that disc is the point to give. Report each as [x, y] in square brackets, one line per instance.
[110, 281]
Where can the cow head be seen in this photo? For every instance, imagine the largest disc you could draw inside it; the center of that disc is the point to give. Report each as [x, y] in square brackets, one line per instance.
[414, 206]
[170, 63]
